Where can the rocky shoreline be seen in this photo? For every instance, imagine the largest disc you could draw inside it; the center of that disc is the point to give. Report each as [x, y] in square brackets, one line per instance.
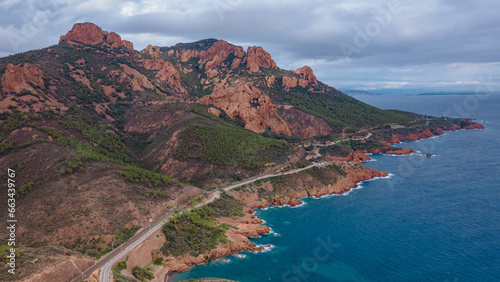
[250, 226]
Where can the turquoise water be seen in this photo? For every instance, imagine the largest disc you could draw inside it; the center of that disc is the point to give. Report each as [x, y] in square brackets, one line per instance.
[435, 219]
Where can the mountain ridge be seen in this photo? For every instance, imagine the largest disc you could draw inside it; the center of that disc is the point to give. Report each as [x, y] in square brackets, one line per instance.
[104, 137]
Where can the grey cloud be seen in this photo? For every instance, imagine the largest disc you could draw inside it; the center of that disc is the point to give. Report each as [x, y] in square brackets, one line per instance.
[422, 33]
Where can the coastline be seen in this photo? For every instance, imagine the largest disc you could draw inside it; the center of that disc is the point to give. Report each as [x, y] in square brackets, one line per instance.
[357, 173]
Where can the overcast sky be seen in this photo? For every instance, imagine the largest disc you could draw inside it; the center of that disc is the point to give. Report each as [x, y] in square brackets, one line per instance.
[350, 44]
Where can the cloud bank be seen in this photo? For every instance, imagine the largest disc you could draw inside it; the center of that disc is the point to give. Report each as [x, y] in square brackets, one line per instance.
[356, 44]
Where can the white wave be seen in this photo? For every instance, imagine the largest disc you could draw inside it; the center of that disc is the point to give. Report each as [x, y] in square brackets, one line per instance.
[265, 248]
[302, 203]
[240, 256]
[379, 177]
[271, 231]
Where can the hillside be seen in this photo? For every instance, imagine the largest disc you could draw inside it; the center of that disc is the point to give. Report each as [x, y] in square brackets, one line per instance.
[103, 137]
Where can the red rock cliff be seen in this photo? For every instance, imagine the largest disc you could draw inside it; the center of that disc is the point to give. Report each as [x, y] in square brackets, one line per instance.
[166, 72]
[89, 33]
[258, 57]
[216, 54]
[307, 76]
[17, 78]
[249, 105]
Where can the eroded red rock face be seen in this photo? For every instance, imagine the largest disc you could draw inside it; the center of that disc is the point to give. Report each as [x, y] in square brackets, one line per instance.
[166, 72]
[289, 82]
[89, 33]
[258, 57]
[306, 76]
[216, 54]
[250, 105]
[86, 33]
[17, 78]
[304, 124]
[154, 51]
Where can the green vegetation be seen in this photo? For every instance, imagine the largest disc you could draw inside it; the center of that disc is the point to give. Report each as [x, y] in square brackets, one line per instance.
[158, 261]
[336, 150]
[198, 230]
[265, 194]
[117, 276]
[337, 109]
[6, 146]
[152, 179]
[229, 146]
[142, 274]
[361, 144]
[124, 235]
[13, 121]
[25, 188]
[5, 251]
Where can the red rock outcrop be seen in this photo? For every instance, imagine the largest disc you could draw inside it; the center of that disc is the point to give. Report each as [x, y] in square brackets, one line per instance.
[380, 150]
[258, 57]
[306, 76]
[166, 72]
[289, 82]
[89, 33]
[250, 105]
[304, 124]
[396, 138]
[474, 126]
[154, 51]
[471, 124]
[17, 78]
[236, 63]
[401, 151]
[86, 33]
[214, 111]
[270, 81]
[356, 156]
[216, 54]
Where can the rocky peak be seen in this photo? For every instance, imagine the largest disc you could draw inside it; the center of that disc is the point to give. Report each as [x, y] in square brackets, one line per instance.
[89, 33]
[166, 72]
[154, 51]
[17, 78]
[258, 57]
[307, 74]
[219, 52]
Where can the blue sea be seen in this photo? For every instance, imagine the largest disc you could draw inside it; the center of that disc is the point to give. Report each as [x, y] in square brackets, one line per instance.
[434, 219]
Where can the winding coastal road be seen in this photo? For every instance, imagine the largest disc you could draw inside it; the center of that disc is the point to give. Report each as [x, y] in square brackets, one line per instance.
[106, 262]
